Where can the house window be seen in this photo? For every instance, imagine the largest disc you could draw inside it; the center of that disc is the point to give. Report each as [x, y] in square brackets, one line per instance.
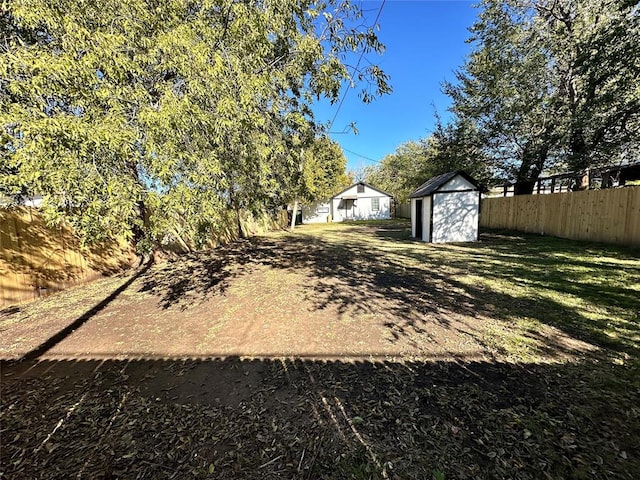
[375, 204]
[360, 188]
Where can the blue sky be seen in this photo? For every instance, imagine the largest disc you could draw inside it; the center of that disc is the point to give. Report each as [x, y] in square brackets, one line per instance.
[425, 44]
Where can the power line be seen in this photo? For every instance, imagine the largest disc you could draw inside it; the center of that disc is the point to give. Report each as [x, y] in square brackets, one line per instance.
[361, 156]
[375, 22]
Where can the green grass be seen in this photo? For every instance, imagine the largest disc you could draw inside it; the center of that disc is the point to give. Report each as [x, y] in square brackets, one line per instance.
[524, 283]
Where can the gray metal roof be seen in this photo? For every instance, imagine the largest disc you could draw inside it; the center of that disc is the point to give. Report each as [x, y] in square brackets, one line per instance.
[433, 184]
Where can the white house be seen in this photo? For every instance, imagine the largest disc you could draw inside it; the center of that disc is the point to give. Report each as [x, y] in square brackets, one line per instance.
[318, 212]
[446, 209]
[360, 201]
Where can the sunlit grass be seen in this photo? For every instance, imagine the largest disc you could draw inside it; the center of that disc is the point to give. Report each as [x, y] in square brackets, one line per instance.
[532, 283]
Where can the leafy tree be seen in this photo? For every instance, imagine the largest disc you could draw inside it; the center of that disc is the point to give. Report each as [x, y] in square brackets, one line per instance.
[455, 146]
[155, 119]
[400, 172]
[324, 170]
[321, 172]
[504, 90]
[596, 64]
[550, 84]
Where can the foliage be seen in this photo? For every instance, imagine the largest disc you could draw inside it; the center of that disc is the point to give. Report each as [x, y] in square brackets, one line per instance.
[323, 171]
[455, 146]
[398, 172]
[147, 119]
[552, 85]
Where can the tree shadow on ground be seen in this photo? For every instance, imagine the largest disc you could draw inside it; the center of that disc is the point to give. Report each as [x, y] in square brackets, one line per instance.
[277, 418]
[378, 269]
[71, 326]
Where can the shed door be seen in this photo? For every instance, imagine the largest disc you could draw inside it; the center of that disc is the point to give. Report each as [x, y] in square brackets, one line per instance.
[419, 219]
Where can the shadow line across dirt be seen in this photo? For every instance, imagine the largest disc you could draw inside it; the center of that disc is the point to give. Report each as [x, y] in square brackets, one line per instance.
[54, 340]
[275, 418]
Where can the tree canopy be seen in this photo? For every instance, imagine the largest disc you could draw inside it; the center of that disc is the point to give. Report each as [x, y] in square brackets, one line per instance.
[549, 86]
[132, 118]
[552, 85]
[454, 146]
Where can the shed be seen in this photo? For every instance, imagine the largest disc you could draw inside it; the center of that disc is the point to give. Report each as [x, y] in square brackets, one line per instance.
[446, 209]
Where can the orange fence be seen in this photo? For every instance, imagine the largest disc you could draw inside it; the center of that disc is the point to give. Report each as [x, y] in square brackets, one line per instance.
[36, 260]
[609, 216]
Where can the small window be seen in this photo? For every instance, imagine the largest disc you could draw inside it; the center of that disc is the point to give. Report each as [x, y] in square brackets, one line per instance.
[322, 209]
[375, 204]
[360, 188]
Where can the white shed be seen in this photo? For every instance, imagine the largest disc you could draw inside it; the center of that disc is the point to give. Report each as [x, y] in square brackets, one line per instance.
[446, 209]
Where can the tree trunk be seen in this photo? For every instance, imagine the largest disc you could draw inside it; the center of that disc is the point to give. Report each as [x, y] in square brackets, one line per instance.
[578, 157]
[523, 188]
[294, 215]
[533, 161]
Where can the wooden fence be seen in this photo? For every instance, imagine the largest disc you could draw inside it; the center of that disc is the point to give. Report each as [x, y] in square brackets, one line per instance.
[36, 260]
[609, 216]
[403, 210]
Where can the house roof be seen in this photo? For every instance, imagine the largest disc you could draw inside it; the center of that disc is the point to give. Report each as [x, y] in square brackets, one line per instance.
[366, 185]
[433, 184]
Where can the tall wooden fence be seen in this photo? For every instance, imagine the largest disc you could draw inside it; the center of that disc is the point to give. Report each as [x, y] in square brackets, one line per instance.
[609, 216]
[36, 260]
[403, 210]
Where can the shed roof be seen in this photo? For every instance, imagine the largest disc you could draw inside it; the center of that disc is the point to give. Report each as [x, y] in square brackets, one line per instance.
[433, 184]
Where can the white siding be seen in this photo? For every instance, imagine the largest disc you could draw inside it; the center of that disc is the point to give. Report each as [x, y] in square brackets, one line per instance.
[337, 214]
[318, 212]
[361, 207]
[455, 217]
[457, 183]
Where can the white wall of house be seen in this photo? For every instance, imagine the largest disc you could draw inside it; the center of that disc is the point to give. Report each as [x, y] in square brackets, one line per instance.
[340, 209]
[317, 212]
[455, 217]
[367, 205]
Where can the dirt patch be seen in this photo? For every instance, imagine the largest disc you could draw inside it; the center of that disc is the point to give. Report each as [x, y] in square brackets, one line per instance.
[334, 296]
[342, 352]
[237, 418]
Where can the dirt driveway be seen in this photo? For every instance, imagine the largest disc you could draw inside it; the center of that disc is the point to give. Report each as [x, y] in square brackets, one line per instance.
[339, 351]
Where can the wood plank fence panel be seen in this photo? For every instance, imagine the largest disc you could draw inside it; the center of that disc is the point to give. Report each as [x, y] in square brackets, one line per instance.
[609, 216]
[403, 210]
[36, 260]
[632, 221]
